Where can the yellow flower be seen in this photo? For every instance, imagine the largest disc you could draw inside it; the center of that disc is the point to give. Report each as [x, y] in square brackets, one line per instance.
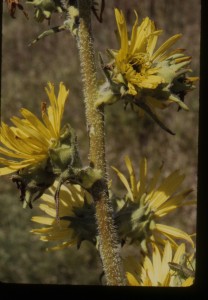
[142, 76]
[76, 213]
[139, 63]
[146, 203]
[157, 271]
[38, 151]
[135, 58]
[28, 142]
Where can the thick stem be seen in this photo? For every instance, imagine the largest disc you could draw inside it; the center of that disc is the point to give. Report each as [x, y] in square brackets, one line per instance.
[108, 241]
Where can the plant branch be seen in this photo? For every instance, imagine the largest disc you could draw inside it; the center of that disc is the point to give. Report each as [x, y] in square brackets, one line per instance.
[107, 235]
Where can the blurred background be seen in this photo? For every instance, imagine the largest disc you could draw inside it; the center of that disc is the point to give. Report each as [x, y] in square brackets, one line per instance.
[25, 73]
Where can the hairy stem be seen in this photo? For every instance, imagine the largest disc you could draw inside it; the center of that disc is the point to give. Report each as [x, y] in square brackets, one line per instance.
[108, 241]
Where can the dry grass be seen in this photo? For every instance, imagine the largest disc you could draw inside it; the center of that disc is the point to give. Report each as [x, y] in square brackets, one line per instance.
[25, 72]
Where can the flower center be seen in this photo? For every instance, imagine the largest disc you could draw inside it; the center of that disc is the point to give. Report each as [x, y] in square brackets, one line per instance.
[139, 61]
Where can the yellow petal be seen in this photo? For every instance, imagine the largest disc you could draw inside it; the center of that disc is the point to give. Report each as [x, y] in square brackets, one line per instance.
[150, 271]
[131, 279]
[42, 230]
[167, 257]
[143, 32]
[58, 235]
[53, 108]
[6, 171]
[188, 282]
[166, 280]
[62, 97]
[122, 28]
[31, 132]
[71, 194]
[13, 165]
[132, 176]
[9, 153]
[62, 246]
[132, 47]
[174, 202]
[153, 183]
[150, 81]
[35, 123]
[174, 232]
[125, 182]
[162, 212]
[167, 55]
[165, 46]
[166, 189]
[13, 142]
[48, 210]
[53, 133]
[156, 261]
[152, 41]
[179, 253]
[43, 220]
[141, 187]
[48, 198]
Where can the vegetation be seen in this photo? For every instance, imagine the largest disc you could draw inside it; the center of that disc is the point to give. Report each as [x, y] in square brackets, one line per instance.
[25, 72]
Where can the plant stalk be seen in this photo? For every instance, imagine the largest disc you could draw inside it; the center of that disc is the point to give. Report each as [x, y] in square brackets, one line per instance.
[109, 247]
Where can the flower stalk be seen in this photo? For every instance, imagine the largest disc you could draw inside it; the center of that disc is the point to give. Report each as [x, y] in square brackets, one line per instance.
[108, 245]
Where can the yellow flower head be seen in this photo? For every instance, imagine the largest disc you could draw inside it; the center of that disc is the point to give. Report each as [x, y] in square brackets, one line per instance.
[28, 142]
[77, 217]
[135, 59]
[145, 203]
[38, 151]
[156, 271]
[142, 76]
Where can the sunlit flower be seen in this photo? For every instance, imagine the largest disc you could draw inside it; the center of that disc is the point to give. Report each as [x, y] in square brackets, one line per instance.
[142, 75]
[38, 151]
[146, 203]
[29, 141]
[76, 213]
[156, 271]
[135, 59]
